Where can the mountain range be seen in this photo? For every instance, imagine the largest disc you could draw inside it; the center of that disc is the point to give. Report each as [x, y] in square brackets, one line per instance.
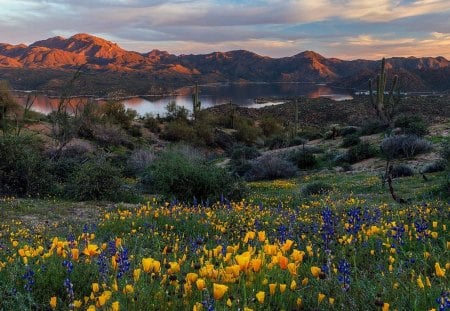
[48, 64]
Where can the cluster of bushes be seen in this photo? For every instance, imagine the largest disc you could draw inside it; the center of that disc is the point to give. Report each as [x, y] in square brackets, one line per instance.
[26, 169]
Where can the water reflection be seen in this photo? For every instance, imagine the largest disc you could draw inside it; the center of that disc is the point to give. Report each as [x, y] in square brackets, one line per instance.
[210, 95]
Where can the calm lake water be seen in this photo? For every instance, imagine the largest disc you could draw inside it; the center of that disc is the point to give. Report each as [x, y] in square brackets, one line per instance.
[210, 95]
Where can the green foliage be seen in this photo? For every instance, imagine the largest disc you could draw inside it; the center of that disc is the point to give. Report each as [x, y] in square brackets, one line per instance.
[363, 150]
[349, 130]
[23, 168]
[315, 188]
[270, 126]
[283, 141]
[175, 112]
[435, 166]
[151, 123]
[350, 140]
[178, 130]
[246, 131]
[303, 158]
[373, 127]
[116, 113]
[184, 177]
[96, 179]
[401, 170]
[8, 107]
[240, 156]
[414, 125]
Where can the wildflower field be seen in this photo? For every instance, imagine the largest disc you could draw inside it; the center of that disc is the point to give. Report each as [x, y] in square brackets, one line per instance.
[339, 251]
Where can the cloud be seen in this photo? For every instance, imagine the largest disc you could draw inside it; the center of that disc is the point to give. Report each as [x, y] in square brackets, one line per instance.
[370, 47]
[270, 27]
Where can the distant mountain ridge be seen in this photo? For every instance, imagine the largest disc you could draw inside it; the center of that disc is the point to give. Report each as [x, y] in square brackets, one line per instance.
[44, 64]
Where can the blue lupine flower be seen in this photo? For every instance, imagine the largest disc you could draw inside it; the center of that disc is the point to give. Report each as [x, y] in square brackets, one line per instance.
[123, 263]
[327, 230]
[29, 278]
[344, 269]
[444, 301]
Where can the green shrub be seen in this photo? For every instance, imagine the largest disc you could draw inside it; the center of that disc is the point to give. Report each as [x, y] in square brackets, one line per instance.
[435, 166]
[270, 126]
[174, 174]
[363, 150]
[401, 170]
[315, 188]
[23, 168]
[239, 152]
[303, 158]
[373, 127]
[246, 131]
[151, 123]
[350, 140]
[116, 113]
[349, 130]
[283, 141]
[96, 179]
[175, 112]
[413, 125]
[178, 130]
[239, 158]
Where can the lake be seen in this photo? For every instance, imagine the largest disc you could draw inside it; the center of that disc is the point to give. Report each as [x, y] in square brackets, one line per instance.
[242, 94]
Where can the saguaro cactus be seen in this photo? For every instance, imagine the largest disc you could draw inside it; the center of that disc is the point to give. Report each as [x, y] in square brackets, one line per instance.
[384, 106]
[196, 104]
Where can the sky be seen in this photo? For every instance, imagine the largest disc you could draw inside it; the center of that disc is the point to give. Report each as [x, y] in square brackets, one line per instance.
[346, 29]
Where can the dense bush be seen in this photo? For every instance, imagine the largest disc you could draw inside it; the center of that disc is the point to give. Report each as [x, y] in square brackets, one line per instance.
[316, 187]
[349, 130]
[175, 174]
[178, 130]
[23, 168]
[270, 167]
[175, 112]
[110, 135]
[283, 141]
[303, 158]
[246, 131]
[350, 140]
[116, 113]
[435, 166]
[239, 152]
[96, 179]
[414, 125]
[270, 126]
[151, 123]
[373, 127]
[363, 150]
[401, 170]
[404, 146]
[240, 156]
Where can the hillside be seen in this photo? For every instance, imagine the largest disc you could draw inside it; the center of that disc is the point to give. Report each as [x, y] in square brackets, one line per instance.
[46, 64]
